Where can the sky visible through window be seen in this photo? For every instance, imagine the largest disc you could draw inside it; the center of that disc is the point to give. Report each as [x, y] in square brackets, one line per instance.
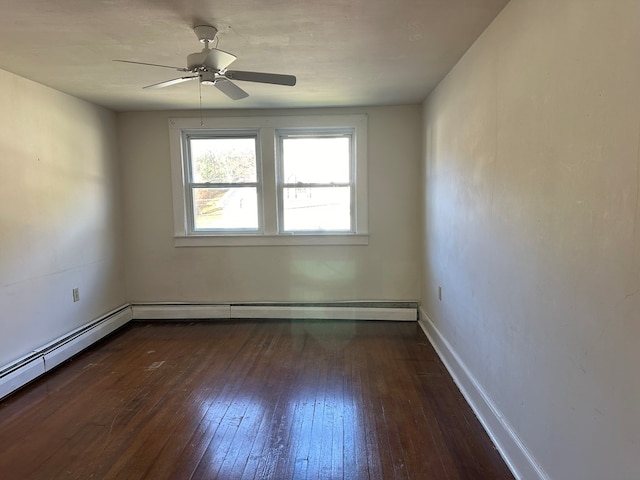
[316, 160]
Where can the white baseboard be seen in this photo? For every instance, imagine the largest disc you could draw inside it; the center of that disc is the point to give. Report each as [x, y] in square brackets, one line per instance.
[217, 312]
[16, 378]
[516, 455]
[325, 313]
[87, 337]
[180, 312]
[47, 357]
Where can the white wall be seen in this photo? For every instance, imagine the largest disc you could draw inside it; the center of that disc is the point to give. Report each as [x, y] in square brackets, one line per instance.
[532, 228]
[384, 270]
[59, 215]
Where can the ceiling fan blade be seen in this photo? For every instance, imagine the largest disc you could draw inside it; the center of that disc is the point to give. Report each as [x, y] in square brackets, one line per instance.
[273, 78]
[230, 89]
[171, 82]
[219, 59]
[180, 69]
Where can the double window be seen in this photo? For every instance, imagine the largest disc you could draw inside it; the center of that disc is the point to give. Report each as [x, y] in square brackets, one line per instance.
[269, 180]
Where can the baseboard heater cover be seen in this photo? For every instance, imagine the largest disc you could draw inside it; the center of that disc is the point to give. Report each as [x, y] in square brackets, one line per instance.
[398, 311]
[328, 313]
[180, 312]
[20, 376]
[39, 361]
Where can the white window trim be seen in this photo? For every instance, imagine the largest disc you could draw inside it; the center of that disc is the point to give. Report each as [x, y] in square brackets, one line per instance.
[267, 125]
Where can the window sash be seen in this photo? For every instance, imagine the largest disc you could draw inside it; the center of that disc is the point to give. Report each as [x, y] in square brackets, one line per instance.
[191, 186]
[282, 185]
[333, 214]
[222, 229]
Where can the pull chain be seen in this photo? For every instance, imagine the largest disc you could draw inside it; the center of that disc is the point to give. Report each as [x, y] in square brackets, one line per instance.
[200, 92]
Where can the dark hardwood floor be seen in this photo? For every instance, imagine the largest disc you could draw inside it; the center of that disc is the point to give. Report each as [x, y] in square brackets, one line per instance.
[248, 400]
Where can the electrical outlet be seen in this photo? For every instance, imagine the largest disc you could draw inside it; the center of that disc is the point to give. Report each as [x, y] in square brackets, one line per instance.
[76, 294]
[439, 293]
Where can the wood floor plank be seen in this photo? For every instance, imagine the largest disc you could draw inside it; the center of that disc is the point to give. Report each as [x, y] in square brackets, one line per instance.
[365, 446]
[271, 433]
[225, 387]
[285, 400]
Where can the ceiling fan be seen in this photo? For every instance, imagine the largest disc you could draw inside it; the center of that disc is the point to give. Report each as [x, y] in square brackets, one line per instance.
[209, 66]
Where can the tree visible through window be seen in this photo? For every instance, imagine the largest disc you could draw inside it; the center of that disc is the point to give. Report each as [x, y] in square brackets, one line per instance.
[224, 184]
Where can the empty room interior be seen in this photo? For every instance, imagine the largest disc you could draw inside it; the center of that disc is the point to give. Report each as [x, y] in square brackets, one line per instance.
[345, 239]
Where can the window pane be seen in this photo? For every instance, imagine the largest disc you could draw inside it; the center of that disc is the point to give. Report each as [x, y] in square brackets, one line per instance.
[225, 208]
[223, 160]
[317, 209]
[316, 160]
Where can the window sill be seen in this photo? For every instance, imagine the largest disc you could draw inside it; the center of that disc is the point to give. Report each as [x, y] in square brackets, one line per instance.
[269, 240]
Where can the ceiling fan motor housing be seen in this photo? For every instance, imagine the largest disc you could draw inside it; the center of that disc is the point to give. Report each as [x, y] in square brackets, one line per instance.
[208, 78]
[196, 60]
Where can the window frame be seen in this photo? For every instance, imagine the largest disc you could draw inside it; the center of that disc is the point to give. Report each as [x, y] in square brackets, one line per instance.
[306, 132]
[267, 176]
[187, 136]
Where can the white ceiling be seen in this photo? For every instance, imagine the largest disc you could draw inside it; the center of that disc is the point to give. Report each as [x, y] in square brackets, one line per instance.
[343, 52]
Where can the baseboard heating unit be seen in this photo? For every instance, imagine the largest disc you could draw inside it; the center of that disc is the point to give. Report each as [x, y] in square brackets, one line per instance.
[47, 357]
[397, 311]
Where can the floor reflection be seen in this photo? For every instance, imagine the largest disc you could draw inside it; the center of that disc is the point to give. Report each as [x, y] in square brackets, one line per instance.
[300, 419]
